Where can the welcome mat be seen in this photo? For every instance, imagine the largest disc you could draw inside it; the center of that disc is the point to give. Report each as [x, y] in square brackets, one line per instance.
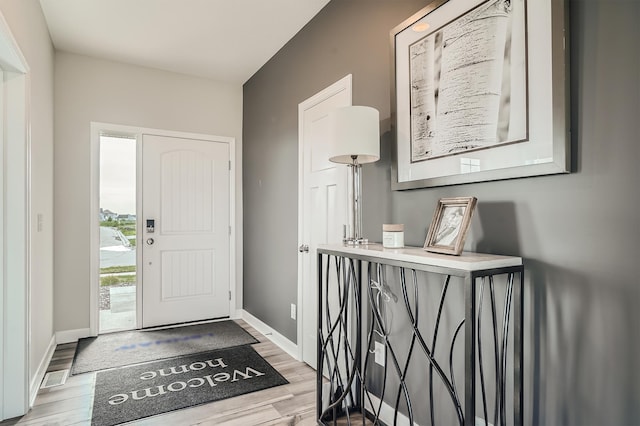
[144, 390]
[134, 347]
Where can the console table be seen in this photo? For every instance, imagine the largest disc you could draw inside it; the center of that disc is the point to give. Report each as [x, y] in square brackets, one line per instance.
[366, 375]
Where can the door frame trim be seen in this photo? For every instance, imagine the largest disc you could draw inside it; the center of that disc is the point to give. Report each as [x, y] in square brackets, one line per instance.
[15, 227]
[97, 129]
[345, 83]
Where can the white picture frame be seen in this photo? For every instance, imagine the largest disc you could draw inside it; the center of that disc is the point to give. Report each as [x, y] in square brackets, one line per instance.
[530, 67]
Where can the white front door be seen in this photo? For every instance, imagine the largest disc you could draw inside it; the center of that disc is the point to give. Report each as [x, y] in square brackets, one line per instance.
[324, 203]
[185, 221]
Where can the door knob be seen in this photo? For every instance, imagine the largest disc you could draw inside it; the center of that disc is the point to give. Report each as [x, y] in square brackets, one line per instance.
[150, 241]
[303, 248]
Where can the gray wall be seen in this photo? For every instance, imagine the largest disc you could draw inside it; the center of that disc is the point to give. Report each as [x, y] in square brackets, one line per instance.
[578, 233]
[336, 43]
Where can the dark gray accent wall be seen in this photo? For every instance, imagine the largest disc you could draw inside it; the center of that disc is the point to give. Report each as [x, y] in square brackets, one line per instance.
[346, 37]
[578, 233]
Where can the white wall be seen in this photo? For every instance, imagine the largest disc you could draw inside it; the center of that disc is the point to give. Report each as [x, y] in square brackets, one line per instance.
[27, 24]
[89, 89]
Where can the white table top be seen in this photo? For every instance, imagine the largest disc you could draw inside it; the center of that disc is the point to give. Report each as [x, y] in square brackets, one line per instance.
[467, 261]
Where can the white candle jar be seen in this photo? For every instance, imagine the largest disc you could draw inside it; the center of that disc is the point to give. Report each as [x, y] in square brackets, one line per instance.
[392, 235]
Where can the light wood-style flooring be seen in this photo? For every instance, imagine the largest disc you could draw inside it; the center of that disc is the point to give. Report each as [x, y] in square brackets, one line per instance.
[291, 404]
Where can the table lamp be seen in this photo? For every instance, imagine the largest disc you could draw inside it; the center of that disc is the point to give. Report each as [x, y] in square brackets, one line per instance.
[354, 139]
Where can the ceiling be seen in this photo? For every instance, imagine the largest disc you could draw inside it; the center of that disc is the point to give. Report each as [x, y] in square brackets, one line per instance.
[224, 40]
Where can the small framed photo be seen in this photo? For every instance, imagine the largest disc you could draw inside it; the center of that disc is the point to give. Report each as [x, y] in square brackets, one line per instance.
[449, 225]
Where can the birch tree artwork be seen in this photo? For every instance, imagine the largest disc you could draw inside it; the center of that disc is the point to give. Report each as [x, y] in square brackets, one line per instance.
[461, 79]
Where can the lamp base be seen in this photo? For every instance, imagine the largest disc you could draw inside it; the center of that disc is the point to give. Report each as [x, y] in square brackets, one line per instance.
[356, 241]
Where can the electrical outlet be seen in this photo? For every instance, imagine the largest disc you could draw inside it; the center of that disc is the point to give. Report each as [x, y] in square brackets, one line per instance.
[380, 354]
[293, 311]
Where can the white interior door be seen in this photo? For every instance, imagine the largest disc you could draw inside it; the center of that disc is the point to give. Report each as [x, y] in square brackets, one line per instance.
[324, 203]
[185, 270]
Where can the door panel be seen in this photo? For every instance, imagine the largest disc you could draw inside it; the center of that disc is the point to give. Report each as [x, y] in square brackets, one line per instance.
[187, 191]
[186, 255]
[187, 273]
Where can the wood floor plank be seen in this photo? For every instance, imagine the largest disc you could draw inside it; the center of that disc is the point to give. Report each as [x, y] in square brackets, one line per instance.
[79, 418]
[307, 418]
[290, 404]
[302, 402]
[245, 417]
[79, 403]
[61, 393]
[59, 365]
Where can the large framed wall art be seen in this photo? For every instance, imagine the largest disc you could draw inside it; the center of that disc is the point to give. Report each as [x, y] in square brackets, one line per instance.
[480, 92]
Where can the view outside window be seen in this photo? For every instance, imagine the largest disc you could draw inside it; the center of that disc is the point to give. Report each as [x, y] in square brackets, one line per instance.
[117, 233]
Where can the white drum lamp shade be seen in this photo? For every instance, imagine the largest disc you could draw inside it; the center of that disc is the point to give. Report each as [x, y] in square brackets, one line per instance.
[354, 132]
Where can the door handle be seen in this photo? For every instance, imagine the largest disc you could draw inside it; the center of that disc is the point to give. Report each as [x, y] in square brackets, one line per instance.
[303, 248]
[150, 241]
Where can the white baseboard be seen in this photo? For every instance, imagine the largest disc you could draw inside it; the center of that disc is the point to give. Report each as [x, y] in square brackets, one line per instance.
[387, 412]
[42, 370]
[69, 336]
[285, 344]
